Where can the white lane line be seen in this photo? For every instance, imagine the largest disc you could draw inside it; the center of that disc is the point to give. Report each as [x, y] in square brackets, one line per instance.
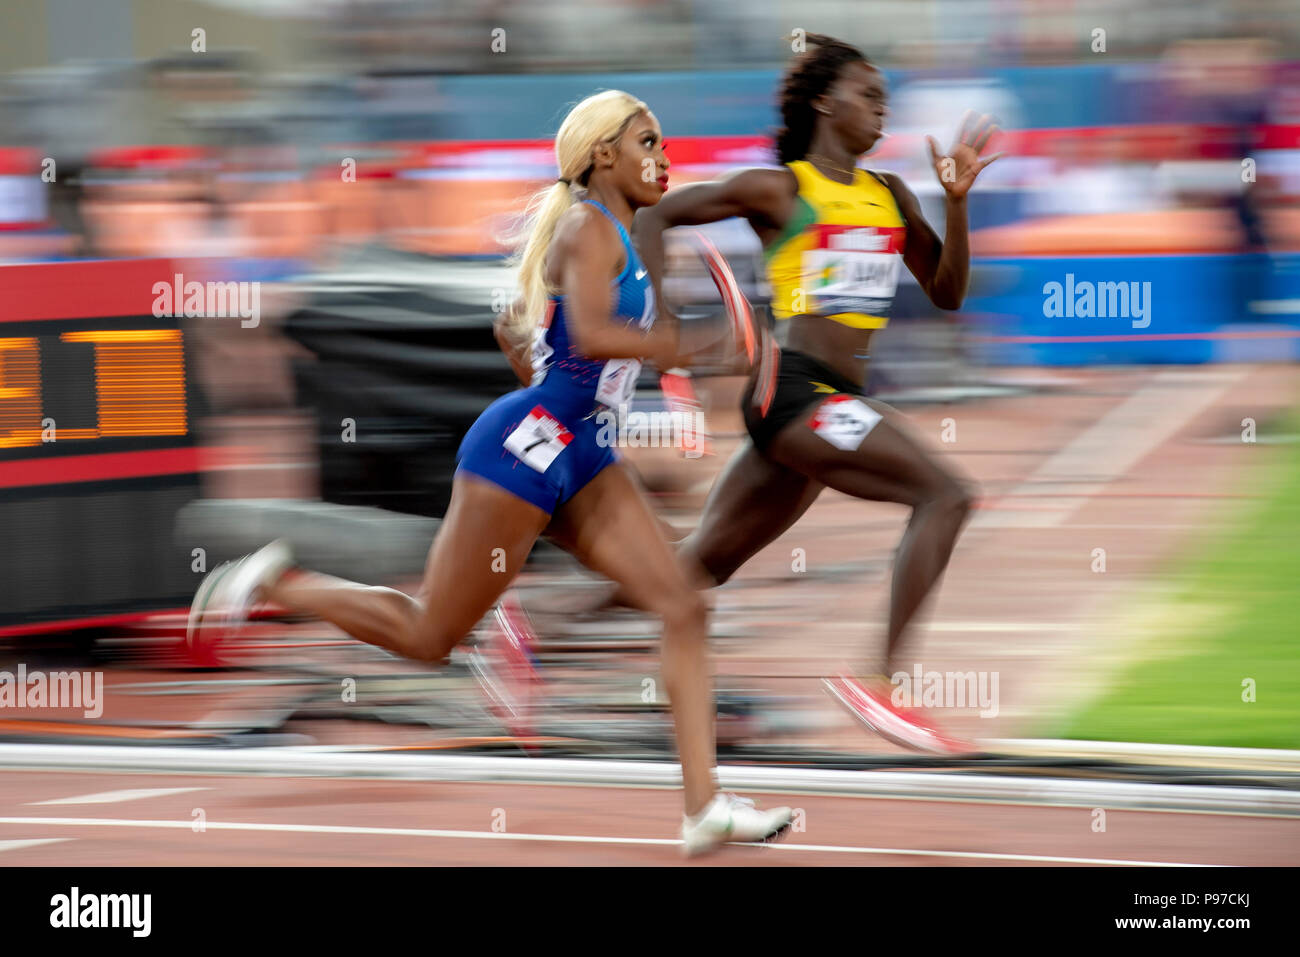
[569, 839]
[1109, 448]
[116, 797]
[34, 842]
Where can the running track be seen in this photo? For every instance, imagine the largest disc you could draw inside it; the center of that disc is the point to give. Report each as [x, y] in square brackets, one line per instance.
[300, 821]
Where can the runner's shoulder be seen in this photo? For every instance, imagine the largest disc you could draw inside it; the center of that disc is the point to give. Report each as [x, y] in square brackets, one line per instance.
[763, 189]
[778, 181]
[902, 193]
[583, 222]
[584, 230]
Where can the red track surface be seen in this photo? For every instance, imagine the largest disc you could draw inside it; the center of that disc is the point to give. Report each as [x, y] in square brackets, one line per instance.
[604, 816]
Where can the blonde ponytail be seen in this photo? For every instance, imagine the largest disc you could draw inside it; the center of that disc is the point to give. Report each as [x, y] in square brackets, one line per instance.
[599, 118]
[544, 212]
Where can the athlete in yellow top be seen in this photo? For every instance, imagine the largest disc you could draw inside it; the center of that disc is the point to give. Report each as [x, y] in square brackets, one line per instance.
[839, 253]
[834, 238]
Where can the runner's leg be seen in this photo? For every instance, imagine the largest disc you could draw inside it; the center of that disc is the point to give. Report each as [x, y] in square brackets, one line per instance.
[480, 547]
[751, 504]
[890, 465]
[610, 527]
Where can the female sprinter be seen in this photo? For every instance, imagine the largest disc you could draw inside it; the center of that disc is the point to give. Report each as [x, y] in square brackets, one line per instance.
[532, 465]
[833, 237]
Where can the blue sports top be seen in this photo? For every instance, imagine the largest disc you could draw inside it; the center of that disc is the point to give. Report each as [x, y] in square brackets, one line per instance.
[560, 370]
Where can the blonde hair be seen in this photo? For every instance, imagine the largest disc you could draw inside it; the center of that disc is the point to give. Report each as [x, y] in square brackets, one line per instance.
[600, 118]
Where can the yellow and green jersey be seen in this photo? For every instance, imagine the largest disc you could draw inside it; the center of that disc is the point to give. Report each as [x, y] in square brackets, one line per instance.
[840, 254]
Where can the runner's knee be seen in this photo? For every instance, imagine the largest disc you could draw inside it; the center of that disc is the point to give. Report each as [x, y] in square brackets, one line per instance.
[965, 495]
[952, 495]
[713, 572]
[683, 609]
[705, 567]
[433, 645]
[429, 638]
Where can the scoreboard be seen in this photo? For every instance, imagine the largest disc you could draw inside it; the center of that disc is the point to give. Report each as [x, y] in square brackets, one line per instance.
[97, 445]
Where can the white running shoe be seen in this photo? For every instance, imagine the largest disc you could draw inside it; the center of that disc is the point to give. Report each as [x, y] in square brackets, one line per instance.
[253, 574]
[229, 592]
[208, 594]
[731, 818]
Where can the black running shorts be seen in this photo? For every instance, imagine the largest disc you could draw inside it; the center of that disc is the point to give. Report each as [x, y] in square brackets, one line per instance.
[800, 382]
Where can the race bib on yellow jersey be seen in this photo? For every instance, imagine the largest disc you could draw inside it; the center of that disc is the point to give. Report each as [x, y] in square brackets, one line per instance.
[852, 269]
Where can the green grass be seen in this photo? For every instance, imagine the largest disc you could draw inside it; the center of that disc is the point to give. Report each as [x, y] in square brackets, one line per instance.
[1191, 691]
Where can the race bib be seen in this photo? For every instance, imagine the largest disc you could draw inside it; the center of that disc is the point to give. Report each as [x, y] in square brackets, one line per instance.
[853, 269]
[618, 378]
[538, 439]
[618, 382]
[844, 421]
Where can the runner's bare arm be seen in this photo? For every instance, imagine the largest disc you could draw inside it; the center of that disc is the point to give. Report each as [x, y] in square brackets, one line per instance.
[590, 255]
[941, 266]
[761, 196]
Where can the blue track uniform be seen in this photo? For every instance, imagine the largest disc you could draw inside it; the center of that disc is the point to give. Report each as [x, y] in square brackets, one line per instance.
[540, 443]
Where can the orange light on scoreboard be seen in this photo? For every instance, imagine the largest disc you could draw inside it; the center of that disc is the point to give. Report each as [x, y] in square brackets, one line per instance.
[20, 392]
[139, 379]
[139, 386]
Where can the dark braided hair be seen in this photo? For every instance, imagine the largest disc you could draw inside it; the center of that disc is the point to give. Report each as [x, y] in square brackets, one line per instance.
[809, 76]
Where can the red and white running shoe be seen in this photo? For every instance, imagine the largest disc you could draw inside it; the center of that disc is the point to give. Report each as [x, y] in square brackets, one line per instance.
[907, 728]
[505, 666]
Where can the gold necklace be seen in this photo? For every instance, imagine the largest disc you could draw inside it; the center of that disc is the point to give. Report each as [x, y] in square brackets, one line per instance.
[839, 169]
